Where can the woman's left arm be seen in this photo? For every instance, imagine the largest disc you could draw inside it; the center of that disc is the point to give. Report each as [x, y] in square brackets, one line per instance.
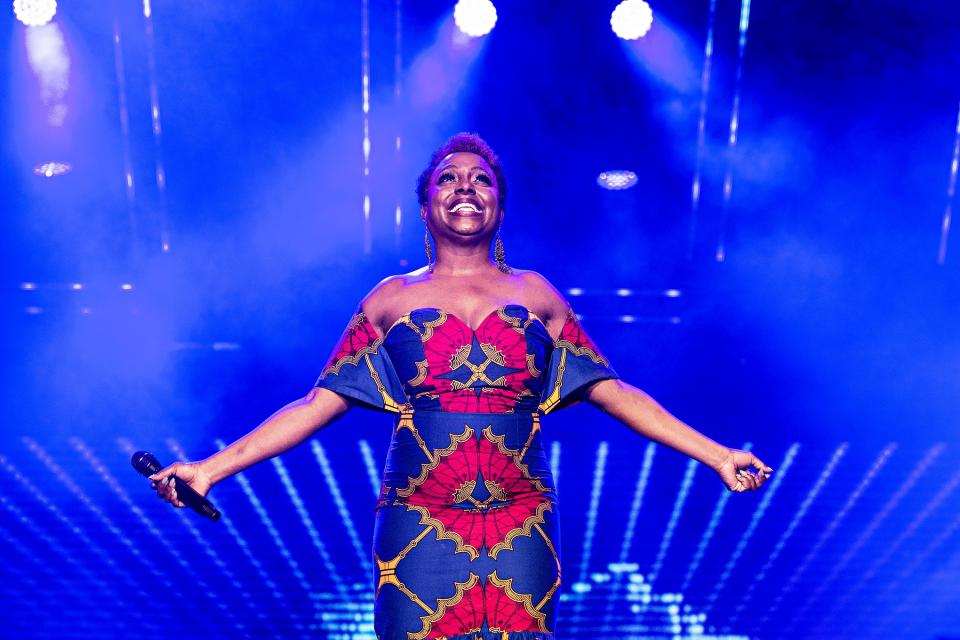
[644, 415]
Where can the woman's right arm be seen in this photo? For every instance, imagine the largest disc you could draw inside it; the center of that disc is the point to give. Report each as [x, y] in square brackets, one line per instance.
[284, 430]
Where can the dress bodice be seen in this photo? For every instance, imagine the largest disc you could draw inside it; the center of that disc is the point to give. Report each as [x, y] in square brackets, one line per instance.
[444, 365]
[431, 360]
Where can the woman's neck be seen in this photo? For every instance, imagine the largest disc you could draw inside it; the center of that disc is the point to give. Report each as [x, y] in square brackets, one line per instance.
[463, 261]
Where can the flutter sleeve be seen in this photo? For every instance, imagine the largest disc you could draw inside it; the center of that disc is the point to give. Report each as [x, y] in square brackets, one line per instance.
[574, 364]
[360, 369]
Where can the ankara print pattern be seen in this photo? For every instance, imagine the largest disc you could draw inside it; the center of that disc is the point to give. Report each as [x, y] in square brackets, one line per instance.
[466, 533]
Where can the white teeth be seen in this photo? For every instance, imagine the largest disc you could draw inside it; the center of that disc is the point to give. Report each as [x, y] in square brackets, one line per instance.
[466, 205]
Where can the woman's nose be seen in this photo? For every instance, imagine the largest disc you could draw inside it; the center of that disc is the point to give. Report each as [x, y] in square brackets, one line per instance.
[465, 187]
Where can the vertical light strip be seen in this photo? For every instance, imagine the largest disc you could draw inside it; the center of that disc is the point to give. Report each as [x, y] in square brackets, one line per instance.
[365, 106]
[768, 495]
[201, 585]
[827, 533]
[675, 514]
[128, 180]
[159, 172]
[635, 506]
[254, 605]
[334, 486]
[701, 129]
[397, 95]
[308, 524]
[838, 568]
[639, 491]
[951, 192]
[721, 253]
[555, 464]
[892, 548]
[798, 516]
[367, 453]
[708, 533]
[596, 490]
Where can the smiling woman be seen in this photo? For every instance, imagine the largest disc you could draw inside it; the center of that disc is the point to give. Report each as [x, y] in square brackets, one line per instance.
[467, 354]
[465, 159]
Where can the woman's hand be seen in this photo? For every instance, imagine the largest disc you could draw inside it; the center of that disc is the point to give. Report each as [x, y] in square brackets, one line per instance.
[192, 473]
[735, 471]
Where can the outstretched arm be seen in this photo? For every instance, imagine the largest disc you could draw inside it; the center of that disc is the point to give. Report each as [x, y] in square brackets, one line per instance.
[284, 430]
[643, 414]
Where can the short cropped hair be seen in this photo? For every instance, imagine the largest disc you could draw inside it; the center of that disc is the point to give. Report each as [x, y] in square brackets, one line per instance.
[469, 143]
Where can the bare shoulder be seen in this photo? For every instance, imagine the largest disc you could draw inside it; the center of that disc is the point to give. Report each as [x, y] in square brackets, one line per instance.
[543, 294]
[379, 303]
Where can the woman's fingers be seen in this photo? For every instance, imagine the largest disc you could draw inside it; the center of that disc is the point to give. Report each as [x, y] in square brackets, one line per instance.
[761, 467]
[167, 490]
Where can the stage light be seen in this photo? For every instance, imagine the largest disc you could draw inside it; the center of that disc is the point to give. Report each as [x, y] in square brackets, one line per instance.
[617, 180]
[475, 17]
[28, 286]
[52, 169]
[76, 286]
[672, 293]
[35, 13]
[631, 19]
[624, 292]
[575, 291]
[126, 287]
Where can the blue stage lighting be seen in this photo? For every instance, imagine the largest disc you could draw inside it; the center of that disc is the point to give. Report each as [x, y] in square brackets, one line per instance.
[475, 17]
[617, 180]
[631, 19]
[52, 169]
[35, 13]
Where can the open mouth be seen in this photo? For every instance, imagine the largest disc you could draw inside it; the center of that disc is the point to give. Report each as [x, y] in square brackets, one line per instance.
[465, 208]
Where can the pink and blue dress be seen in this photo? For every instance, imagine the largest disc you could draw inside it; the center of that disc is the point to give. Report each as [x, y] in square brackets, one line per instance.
[466, 540]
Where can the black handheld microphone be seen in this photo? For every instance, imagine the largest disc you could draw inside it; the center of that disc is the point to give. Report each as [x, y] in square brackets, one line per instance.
[147, 465]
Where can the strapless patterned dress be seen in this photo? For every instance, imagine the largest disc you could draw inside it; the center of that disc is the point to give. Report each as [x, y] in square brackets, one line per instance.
[466, 535]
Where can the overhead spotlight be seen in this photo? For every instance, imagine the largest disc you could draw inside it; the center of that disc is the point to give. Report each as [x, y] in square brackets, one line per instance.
[631, 19]
[35, 13]
[475, 17]
[617, 180]
[52, 169]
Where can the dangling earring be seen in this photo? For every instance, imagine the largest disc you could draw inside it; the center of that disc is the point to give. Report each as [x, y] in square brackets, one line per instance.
[426, 247]
[499, 256]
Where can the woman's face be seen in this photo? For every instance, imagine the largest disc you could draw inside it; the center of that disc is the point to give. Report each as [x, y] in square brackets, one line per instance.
[462, 198]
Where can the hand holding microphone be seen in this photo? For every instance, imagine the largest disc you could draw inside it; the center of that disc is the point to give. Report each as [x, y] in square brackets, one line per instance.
[181, 484]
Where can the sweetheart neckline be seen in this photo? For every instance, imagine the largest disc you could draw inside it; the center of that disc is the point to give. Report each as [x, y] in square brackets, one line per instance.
[483, 320]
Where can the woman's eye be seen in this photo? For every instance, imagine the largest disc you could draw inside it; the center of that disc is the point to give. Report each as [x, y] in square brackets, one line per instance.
[484, 179]
[445, 177]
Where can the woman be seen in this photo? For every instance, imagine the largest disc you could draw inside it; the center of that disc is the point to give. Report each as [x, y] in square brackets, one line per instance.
[468, 353]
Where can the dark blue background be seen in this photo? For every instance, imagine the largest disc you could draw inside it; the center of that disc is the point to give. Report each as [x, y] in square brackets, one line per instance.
[829, 327]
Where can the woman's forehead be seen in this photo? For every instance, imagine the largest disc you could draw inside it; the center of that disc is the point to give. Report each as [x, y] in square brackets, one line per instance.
[464, 159]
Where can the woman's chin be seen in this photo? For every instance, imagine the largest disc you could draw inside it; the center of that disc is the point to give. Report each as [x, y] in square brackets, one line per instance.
[467, 227]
